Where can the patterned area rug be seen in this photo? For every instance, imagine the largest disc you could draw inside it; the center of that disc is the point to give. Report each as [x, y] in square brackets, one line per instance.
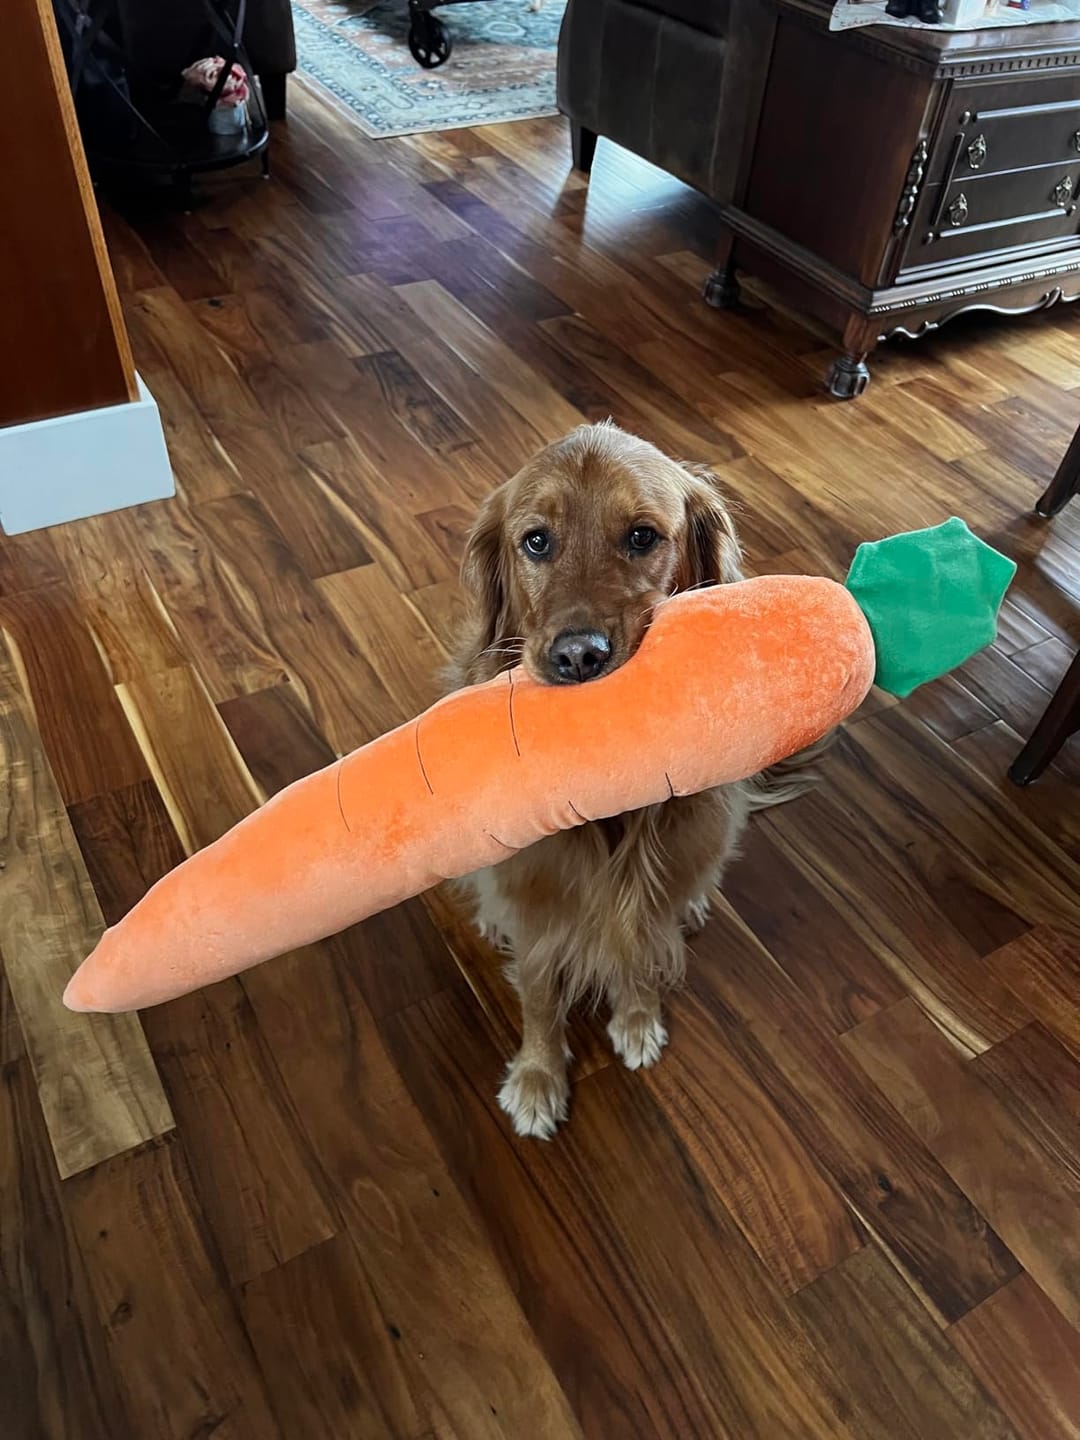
[502, 66]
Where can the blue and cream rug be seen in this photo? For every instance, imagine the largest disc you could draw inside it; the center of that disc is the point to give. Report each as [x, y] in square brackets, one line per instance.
[502, 66]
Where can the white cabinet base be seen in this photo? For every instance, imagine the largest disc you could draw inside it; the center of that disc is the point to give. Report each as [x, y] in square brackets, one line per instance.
[52, 471]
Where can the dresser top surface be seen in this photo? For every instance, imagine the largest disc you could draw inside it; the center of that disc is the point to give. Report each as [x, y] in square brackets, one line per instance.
[949, 47]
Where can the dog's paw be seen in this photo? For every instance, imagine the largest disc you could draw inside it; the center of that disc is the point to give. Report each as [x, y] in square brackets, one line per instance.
[638, 1038]
[536, 1099]
[696, 915]
[536, 6]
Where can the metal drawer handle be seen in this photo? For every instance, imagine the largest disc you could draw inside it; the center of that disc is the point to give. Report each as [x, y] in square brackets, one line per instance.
[1076, 139]
[976, 152]
[1062, 192]
[957, 212]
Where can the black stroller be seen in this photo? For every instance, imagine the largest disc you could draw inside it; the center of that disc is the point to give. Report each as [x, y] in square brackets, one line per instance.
[141, 126]
[429, 39]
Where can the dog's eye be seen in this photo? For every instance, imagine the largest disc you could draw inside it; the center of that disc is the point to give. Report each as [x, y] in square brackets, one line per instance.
[642, 538]
[537, 544]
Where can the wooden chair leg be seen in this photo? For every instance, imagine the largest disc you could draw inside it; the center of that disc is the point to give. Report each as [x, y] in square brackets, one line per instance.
[1065, 484]
[1062, 719]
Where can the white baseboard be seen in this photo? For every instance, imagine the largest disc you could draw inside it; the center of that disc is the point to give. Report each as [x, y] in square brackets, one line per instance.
[52, 471]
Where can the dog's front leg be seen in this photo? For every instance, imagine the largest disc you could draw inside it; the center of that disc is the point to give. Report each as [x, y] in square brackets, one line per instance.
[536, 1091]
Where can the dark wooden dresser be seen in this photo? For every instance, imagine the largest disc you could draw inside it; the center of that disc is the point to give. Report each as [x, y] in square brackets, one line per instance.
[899, 177]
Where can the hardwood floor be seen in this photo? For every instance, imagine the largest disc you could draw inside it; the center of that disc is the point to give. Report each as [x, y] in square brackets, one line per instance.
[847, 1204]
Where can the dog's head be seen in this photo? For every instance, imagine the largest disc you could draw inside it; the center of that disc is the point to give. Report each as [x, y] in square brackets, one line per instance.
[567, 560]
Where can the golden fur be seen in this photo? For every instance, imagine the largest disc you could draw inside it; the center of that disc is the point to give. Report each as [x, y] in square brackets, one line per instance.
[602, 909]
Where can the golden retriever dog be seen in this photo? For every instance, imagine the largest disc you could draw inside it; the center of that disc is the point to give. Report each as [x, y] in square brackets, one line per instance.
[563, 568]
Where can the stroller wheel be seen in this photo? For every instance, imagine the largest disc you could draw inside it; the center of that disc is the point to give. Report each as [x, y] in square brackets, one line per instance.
[429, 40]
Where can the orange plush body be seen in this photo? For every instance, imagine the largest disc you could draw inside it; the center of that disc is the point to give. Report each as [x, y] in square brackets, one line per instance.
[726, 682]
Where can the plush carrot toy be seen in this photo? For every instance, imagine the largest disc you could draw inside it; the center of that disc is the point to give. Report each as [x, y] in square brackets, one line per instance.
[494, 768]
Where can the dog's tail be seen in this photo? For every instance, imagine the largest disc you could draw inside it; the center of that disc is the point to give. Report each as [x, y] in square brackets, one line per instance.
[790, 778]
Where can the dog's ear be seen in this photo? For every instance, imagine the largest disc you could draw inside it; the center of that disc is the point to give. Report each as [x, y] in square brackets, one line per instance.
[483, 572]
[713, 555]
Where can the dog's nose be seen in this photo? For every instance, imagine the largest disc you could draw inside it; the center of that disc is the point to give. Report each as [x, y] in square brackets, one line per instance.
[578, 655]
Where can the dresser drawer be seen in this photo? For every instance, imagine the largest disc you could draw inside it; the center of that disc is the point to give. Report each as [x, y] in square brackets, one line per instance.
[986, 213]
[1007, 125]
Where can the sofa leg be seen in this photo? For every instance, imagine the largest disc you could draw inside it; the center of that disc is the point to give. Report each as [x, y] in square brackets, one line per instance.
[273, 91]
[583, 146]
[722, 288]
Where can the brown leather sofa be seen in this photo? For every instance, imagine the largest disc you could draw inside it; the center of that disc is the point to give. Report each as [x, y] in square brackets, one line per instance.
[678, 82]
[157, 34]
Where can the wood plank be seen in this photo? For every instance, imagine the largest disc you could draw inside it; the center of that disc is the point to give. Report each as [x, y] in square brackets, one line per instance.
[1016, 630]
[1046, 662]
[1047, 806]
[201, 468]
[500, 429]
[545, 410]
[341, 690]
[276, 736]
[923, 897]
[296, 414]
[889, 1178]
[123, 611]
[593, 1330]
[323, 532]
[1035, 1077]
[1017, 696]
[698, 1280]
[392, 637]
[419, 409]
[844, 978]
[182, 1360]
[334, 1369]
[180, 262]
[98, 1087]
[673, 423]
[132, 265]
[62, 676]
[449, 526]
[949, 709]
[208, 602]
[395, 540]
[1041, 969]
[442, 608]
[427, 1260]
[1022, 860]
[203, 781]
[904, 1378]
[128, 842]
[749, 1155]
[570, 1277]
[55, 1374]
[1032, 1202]
[29, 561]
[418, 476]
[1028, 1357]
[271, 1202]
[206, 374]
